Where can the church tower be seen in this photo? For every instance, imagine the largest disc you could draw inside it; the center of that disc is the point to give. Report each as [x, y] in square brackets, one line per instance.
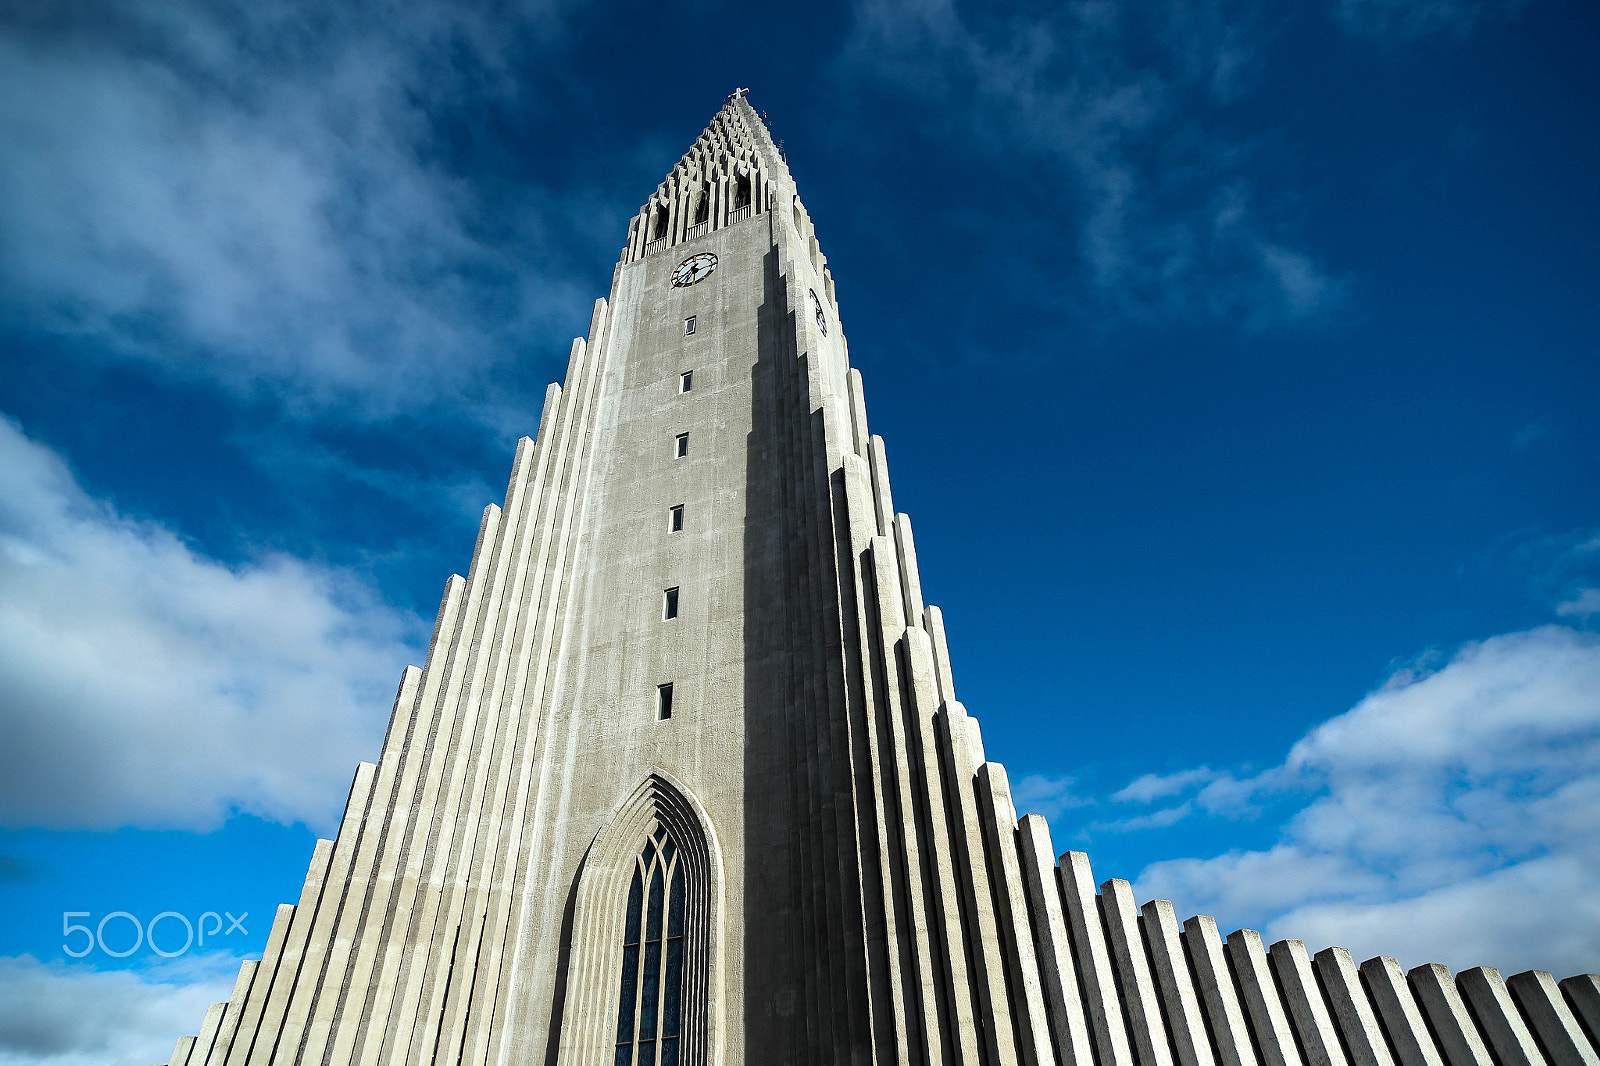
[684, 780]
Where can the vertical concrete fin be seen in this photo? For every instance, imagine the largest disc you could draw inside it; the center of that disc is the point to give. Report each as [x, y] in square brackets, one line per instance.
[1248, 957]
[965, 1022]
[319, 944]
[265, 1041]
[405, 705]
[933, 622]
[182, 1050]
[201, 1045]
[1402, 1016]
[1498, 1019]
[575, 359]
[245, 1033]
[858, 414]
[1011, 906]
[1217, 991]
[1583, 994]
[984, 945]
[1185, 1017]
[1076, 880]
[1447, 1016]
[1121, 918]
[1352, 1011]
[1553, 1023]
[925, 983]
[233, 1011]
[910, 582]
[880, 486]
[1069, 1025]
[1307, 1012]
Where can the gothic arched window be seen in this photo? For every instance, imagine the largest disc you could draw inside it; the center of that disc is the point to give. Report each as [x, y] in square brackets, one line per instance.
[659, 229]
[651, 1001]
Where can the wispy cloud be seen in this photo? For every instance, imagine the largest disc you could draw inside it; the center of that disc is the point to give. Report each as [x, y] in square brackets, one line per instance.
[149, 685]
[257, 194]
[1453, 815]
[1049, 796]
[1112, 104]
[73, 1015]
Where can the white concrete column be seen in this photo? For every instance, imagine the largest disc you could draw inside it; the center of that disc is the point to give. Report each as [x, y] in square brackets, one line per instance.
[1307, 1011]
[1352, 1011]
[1402, 1017]
[1069, 1024]
[1260, 994]
[1094, 958]
[1217, 991]
[1441, 1002]
[1133, 966]
[1498, 1018]
[1553, 1022]
[1184, 1016]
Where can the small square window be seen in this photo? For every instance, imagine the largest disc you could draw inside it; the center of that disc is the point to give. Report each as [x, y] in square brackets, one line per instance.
[681, 449]
[664, 702]
[675, 519]
[688, 330]
[669, 603]
[686, 381]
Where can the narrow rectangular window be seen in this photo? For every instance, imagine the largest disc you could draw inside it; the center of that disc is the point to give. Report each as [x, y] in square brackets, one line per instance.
[664, 702]
[675, 519]
[669, 605]
[686, 381]
[682, 448]
[688, 329]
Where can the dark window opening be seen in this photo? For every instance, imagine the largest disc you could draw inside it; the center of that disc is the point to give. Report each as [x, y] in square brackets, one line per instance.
[702, 207]
[688, 326]
[649, 1014]
[675, 518]
[686, 381]
[658, 228]
[741, 192]
[669, 605]
[682, 446]
[664, 702]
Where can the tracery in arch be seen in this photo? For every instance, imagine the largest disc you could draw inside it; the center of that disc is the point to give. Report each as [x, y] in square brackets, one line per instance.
[648, 907]
[651, 993]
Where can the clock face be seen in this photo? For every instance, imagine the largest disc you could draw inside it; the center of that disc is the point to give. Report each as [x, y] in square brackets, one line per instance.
[693, 269]
[816, 306]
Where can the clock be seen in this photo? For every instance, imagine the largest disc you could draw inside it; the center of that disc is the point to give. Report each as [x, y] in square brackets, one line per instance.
[693, 269]
[816, 306]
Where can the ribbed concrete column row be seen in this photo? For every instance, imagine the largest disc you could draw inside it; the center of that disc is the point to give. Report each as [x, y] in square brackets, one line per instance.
[400, 933]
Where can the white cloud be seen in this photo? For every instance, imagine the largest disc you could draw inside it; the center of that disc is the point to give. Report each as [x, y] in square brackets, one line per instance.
[1111, 105]
[1453, 816]
[72, 1015]
[229, 193]
[146, 684]
[1149, 787]
[1583, 603]
[1049, 796]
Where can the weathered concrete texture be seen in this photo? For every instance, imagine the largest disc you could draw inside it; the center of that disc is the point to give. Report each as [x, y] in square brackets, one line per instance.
[853, 884]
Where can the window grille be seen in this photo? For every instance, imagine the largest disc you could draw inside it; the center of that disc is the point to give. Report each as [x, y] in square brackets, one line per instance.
[651, 1007]
[697, 230]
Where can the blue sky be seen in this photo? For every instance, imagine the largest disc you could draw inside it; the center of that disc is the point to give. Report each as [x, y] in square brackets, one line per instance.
[1238, 364]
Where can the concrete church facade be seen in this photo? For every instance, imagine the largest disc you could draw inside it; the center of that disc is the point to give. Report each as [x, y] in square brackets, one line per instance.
[684, 780]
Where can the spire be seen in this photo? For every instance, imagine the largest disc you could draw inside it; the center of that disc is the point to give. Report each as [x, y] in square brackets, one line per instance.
[728, 173]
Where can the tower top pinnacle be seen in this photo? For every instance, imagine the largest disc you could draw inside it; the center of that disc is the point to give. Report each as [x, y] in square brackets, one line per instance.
[730, 171]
